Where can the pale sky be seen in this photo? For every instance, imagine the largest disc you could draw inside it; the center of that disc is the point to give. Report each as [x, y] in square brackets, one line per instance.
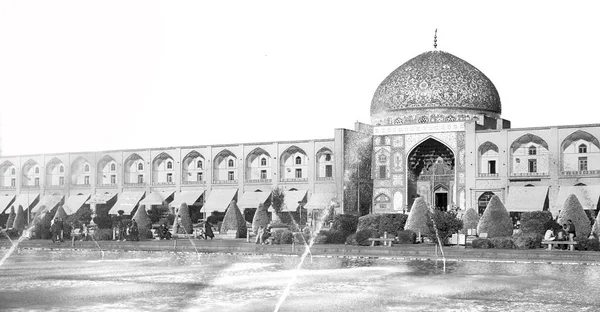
[103, 75]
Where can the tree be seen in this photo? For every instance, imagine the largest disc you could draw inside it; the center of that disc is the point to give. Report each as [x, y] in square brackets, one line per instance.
[19, 223]
[496, 221]
[234, 220]
[596, 227]
[446, 223]
[261, 217]
[418, 216]
[277, 201]
[11, 217]
[60, 213]
[572, 210]
[143, 221]
[470, 220]
[186, 221]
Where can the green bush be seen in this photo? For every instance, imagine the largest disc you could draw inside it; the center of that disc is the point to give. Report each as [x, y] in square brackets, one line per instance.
[186, 221]
[527, 241]
[496, 221]
[234, 220]
[470, 220]
[19, 223]
[283, 236]
[503, 242]
[482, 243]
[369, 222]
[321, 239]
[572, 210]
[593, 244]
[536, 222]
[143, 221]
[362, 236]
[351, 240]
[149, 234]
[60, 214]
[446, 223]
[103, 234]
[302, 238]
[333, 237]
[13, 233]
[11, 218]
[261, 218]
[418, 217]
[407, 237]
[392, 223]
[582, 243]
[345, 223]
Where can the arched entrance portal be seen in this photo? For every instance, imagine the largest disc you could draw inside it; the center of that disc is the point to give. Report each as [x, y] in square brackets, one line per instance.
[431, 174]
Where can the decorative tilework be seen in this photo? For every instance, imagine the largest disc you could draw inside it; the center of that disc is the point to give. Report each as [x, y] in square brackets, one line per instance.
[436, 79]
[461, 178]
[397, 159]
[398, 179]
[461, 158]
[382, 183]
[379, 191]
[398, 141]
[449, 138]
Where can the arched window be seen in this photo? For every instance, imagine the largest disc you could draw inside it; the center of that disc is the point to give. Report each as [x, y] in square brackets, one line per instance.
[140, 166]
[86, 168]
[113, 167]
[61, 169]
[582, 149]
[37, 170]
[230, 163]
[298, 160]
[13, 171]
[532, 150]
[199, 164]
[263, 161]
[169, 165]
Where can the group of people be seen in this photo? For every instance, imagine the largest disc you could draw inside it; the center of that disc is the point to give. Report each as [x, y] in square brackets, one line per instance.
[57, 229]
[130, 232]
[263, 234]
[565, 233]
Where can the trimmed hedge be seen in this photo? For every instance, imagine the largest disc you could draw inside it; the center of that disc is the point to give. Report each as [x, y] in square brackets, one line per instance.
[503, 242]
[60, 214]
[496, 221]
[283, 236]
[482, 243]
[351, 240]
[392, 223]
[596, 227]
[143, 221]
[446, 223]
[186, 221]
[369, 222]
[11, 218]
[527, 241]
[261, 218]
[470, 220]
[572, 210]
[331, 237]
[234, 220]
[536, 222]
[19, 223]
[407, 237]
[345, 223]
[417, 218]
[362, 236]
[103, 234]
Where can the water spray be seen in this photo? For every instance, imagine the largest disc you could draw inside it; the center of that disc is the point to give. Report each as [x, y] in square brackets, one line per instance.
[437, 234]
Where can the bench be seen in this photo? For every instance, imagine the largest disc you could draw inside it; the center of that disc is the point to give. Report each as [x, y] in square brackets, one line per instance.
[551, 243]
[386, 241]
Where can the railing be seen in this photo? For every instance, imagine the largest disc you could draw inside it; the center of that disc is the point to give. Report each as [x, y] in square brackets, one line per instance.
[258, 181]
[30, 186]
[81, 185]
[295, 180]
[225, 181]
[163, 183]
[582, 172]
[106, 184]
[134, 184]
[529, 174]
[324, 178]
[488, 175]
[193, 182]
[7, 187]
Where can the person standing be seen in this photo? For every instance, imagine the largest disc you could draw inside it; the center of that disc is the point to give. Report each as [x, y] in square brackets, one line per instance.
[571, 230]
[208, 232]
[259, 235]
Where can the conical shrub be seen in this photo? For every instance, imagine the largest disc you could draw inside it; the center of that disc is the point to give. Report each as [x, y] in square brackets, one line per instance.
[261, 217]
[186, 220]
[470, 220]
[19, 223]
[60, 213]
[143, 221]
[11, 217]
[418, 217]
[496, 221]
[572, 210]
[596, 227]
[234, 220]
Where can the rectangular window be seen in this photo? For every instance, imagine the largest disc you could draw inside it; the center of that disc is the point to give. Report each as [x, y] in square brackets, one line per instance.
[37, 182]
[492, 166]
[328, 171]
[113, 179]
[532, 165]
[298, 173]
[199, 176]
[382, 172]
[61, 180]
[230, 176]
[86, 180]
[169, 178]
[583, 164]
[13, 182]
[140, 178]
[263, 174]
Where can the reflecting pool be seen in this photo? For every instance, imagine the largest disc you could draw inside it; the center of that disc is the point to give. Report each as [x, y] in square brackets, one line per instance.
[142, 281]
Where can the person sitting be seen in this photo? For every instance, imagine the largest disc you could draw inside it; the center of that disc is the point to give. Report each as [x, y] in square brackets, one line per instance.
[549, 236]
[163, 232]
[571, 230]
[265, 235]
[561, 235]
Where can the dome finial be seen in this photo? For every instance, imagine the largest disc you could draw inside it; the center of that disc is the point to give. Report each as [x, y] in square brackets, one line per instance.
[435, 39]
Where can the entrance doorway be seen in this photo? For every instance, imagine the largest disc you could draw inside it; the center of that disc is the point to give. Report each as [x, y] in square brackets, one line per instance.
[441, 201]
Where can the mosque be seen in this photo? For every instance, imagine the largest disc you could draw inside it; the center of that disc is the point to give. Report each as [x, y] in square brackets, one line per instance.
[436, 132]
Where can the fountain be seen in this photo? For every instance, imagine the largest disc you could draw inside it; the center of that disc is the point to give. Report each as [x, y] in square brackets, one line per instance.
[437, 234]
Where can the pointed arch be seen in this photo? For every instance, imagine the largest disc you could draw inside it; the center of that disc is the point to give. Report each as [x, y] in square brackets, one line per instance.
[486, 147]
[578, 136]
[324, 163]
[193, 168]
[225, 166]
[80, 171]
[293, 164]
[8, 174]
[55, 172]
[135, 167]
[526, 139]
[163, 168]
[106, 170]
[258, 166]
